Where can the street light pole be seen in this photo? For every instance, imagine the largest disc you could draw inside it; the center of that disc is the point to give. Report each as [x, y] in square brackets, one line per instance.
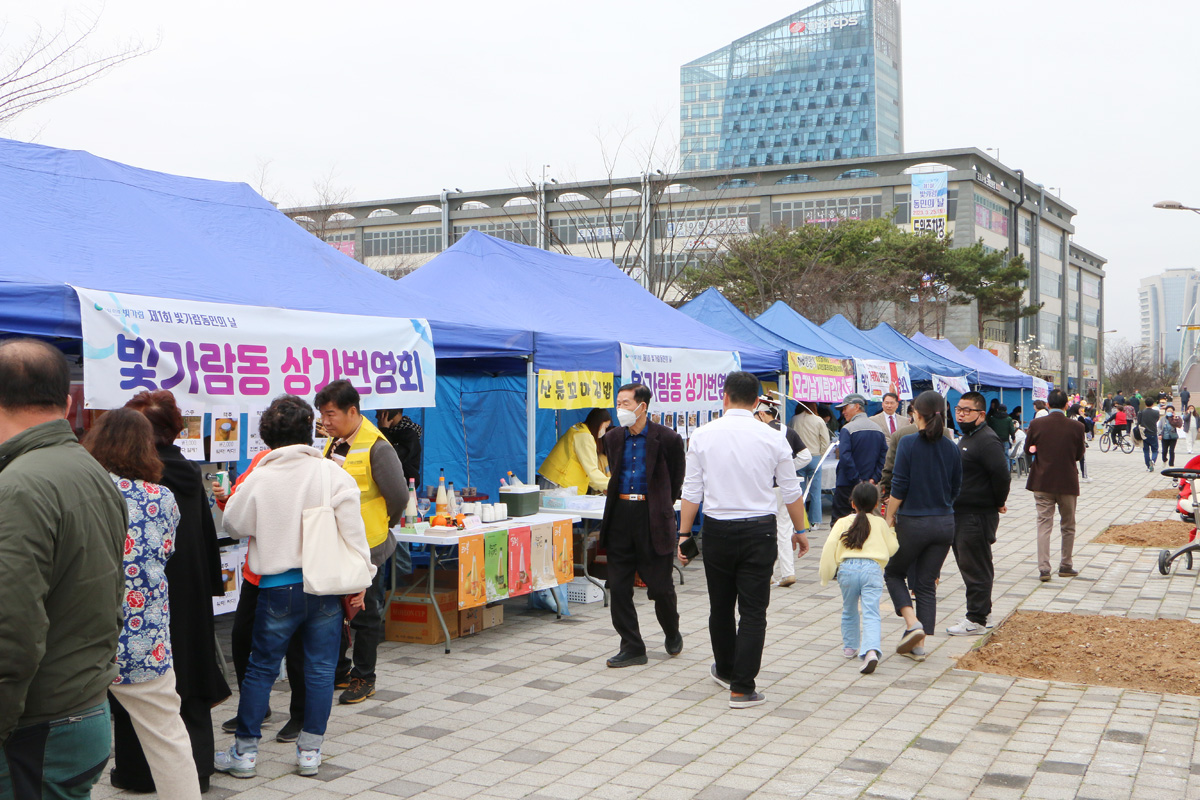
[1175, 205]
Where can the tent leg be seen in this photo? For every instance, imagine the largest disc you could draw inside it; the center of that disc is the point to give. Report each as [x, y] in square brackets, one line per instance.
[531, 421]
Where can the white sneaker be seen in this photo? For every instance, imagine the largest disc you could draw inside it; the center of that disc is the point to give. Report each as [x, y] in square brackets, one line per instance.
[991, 623]
[965, 628]
[309, 761]
[239, 765]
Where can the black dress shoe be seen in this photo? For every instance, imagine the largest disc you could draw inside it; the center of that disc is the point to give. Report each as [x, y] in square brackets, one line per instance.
[204, 784]
[624, 659]
[117, 783]
[1067, 572]
[675, 644]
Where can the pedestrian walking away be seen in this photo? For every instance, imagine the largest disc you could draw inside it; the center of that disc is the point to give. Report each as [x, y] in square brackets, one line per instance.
[1147, 421]
[862, 449]
[977, 509]
[857, 550]
[816, 437]
[731, 465]
[925, 482]
[1055, 443]
[638, 531]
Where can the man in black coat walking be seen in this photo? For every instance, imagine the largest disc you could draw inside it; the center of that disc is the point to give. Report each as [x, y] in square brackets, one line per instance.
[977, 510]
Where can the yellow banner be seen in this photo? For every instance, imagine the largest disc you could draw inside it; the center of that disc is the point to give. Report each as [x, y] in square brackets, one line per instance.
[564, 390]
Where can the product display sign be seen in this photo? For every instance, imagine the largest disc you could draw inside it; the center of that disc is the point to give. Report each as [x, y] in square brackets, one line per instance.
[564, 550]
[191, 438]
[562, 390]
[472, 591]
[681, 379]
[542, 556]
[930, 202]
[820, 379]
[225, 444]
[495, 564]
[877, 378]
[520, 551]
[216, 354]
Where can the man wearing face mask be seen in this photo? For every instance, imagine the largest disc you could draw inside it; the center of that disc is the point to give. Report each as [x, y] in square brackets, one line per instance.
[647, 462]
[977, 510]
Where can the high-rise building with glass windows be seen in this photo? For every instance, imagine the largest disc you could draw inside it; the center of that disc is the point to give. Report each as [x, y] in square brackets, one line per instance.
[822, 84]
[1169, 300]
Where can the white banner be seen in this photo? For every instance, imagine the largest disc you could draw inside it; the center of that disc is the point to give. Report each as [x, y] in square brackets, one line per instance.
[1041, 389]
[217, 354]
[877, 378]
[943, 384]
[681, 380]
[930, 201]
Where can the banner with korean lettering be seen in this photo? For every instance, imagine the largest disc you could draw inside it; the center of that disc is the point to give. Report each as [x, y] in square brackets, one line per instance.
[217, 354]
[820, 379]
[943, 384]
[930, 202]
[1041, 389]
[562, 390]
[681, 379]
[877, 378]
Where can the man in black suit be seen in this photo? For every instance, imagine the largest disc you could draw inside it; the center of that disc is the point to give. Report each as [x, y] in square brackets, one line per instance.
[647, 462]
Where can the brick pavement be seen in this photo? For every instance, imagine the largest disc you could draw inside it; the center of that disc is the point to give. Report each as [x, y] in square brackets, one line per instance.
[528, 710]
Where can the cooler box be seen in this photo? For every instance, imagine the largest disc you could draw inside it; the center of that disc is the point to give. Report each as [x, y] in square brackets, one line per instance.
[522, 501]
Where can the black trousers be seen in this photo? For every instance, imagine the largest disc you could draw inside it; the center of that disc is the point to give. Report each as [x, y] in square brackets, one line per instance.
[924, 543]
[841, 503]
[367, 631]
[243, 636]
[974, 535]
[1168, 451]
[630, 550]
[739, 556]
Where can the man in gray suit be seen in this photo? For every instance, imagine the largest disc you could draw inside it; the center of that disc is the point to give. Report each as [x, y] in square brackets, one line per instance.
[889, 420]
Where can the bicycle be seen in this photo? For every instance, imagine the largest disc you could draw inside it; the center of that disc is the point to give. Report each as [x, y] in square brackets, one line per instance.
[1124, 443]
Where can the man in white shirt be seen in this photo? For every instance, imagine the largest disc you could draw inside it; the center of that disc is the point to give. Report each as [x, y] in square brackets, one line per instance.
[889, 420]
[731, 465]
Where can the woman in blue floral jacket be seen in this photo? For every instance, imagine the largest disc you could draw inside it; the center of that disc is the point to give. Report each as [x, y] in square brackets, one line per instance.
[122, 441]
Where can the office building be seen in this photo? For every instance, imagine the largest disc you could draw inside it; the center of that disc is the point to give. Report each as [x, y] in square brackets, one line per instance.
[654, 225]
[1168, 300]
[824, 83]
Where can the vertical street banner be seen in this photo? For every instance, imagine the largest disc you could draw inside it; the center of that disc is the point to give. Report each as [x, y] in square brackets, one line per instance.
[929, 202]
[682, 380]
[218, 354]
[877, 378]
[820, 379]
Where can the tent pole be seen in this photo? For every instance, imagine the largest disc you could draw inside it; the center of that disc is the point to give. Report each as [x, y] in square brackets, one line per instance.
[531, 420]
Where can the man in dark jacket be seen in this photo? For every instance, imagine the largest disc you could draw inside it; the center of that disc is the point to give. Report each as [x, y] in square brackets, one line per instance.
[62, 540]
[977, 510]
[1053, 445]
[648, 463]
[405, 437]
[1147, 420]
[862, 448]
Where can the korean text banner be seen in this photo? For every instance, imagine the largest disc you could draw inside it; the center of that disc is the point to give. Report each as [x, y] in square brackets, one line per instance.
[681, 379]
[942, 385]
[568, 390]
[1041, 389]
[242, 356]
[820, 379]
[877, 378]
[930, 202]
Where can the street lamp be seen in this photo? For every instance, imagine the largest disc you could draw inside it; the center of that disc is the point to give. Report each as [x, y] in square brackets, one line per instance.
[1175, 205]
[995, 150]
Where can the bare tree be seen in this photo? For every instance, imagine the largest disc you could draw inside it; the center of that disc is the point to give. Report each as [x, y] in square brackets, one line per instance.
[52, 63]
[328, 217]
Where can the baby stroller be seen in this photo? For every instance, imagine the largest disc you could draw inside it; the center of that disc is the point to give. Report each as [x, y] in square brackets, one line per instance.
[1185, 506]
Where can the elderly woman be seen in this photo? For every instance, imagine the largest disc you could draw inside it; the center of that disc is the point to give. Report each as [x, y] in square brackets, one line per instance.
[268, 509]
[144, 692]
[193, 579]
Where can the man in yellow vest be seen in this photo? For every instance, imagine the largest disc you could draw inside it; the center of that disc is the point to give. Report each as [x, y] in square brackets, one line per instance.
[371, 460]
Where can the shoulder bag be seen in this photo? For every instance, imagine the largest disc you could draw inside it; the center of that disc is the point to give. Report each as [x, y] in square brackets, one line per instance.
[330, 565]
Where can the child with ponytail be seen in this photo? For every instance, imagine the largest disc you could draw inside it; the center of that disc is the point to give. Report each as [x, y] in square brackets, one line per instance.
[856, 552]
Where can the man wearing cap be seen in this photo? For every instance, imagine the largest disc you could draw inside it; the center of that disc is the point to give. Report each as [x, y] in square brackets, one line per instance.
[767, 410]
[862, 448]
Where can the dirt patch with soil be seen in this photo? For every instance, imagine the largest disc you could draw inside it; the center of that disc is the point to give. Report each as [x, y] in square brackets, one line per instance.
[1168, 533]
[1163, 494]
[1156, 655]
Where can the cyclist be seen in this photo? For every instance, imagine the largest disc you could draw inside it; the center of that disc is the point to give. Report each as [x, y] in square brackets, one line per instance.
[1117, 423]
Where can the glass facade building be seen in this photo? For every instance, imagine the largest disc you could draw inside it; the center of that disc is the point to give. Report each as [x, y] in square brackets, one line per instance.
[821, 84]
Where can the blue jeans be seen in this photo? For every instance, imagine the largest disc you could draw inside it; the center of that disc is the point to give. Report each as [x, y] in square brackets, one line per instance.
[62, 759]
[861, 579]
[1150, 450]
[282, 611]
[812, 478]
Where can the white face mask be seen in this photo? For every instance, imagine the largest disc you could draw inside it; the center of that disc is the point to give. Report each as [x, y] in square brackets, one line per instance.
[626, 416]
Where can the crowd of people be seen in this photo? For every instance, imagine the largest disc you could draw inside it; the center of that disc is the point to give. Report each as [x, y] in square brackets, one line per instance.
[108, 551]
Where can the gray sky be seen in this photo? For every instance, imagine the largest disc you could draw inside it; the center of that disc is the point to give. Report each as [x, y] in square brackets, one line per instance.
[394, 99]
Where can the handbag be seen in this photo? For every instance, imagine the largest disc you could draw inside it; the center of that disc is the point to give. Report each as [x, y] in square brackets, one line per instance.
[330, 565]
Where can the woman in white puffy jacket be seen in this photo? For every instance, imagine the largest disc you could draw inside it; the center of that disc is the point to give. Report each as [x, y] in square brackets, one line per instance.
[268, 510]
[767, 411]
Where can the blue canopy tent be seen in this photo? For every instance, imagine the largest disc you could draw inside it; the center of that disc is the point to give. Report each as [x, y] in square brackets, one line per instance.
[78, 219]
[893, 341]
[998, 364]
[842, 328]
[580, 310]
[785, 321]
[987, 374]
[713, 309]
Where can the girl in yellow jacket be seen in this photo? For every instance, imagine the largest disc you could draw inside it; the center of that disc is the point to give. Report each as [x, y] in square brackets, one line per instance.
[856, 552]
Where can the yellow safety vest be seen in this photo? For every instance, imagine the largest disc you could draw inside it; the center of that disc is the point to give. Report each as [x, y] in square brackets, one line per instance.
[358, 464]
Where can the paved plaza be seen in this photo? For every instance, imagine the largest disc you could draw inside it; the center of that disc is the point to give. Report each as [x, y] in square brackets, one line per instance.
[528, 709]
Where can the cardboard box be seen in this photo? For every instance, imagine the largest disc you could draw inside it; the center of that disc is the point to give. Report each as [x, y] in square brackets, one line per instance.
[493, 616]
[417, 623]
[470, 621]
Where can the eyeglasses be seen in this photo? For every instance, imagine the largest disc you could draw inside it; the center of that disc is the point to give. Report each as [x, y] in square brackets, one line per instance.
[966, 410]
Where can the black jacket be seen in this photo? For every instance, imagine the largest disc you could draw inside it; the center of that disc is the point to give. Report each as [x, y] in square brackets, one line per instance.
[666, 463]
[985, 479]
[1148, 419]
